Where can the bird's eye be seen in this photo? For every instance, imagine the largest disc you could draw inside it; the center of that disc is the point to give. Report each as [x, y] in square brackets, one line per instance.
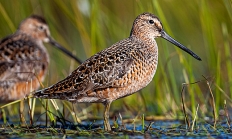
[151, 21]
[41, 28]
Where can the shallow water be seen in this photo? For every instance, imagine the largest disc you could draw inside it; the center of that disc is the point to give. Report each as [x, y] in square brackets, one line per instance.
[158, 129]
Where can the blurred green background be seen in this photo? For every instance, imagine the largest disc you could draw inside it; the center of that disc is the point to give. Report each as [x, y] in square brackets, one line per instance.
[87, 26]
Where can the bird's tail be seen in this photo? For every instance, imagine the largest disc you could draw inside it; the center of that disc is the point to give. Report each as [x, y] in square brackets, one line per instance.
[40, 93]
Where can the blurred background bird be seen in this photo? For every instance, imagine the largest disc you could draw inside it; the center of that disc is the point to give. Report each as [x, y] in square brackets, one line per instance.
[24, 59]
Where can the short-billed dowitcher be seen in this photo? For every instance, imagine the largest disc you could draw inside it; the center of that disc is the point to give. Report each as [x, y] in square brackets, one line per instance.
[24, 59]
[118, 71]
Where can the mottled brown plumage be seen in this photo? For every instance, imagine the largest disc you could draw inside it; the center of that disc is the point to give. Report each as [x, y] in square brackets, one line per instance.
[24, 59]
[118, 71]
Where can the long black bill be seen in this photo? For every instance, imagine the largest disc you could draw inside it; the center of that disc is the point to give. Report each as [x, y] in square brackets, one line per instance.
[170, 39]
[54, 43]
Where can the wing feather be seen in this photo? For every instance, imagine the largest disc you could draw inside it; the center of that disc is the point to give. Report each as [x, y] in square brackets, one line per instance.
[98, 72]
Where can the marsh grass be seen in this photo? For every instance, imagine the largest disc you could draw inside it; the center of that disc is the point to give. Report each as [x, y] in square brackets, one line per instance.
[86, 27]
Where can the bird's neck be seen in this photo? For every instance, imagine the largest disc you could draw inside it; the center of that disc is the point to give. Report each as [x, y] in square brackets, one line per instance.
[148, 47]
[146, 39]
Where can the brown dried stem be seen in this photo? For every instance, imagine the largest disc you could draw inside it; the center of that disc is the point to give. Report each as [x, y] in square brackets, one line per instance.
[183, 105]
[213, 103]
[228, 121]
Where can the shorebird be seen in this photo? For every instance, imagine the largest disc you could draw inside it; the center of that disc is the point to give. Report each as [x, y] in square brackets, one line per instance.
[24, 59]
[117, 71]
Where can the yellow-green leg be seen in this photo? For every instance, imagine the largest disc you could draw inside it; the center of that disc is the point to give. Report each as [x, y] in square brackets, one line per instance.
[106, 116]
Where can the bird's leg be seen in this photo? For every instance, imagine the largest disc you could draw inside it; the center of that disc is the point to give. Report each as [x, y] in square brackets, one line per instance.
[106, 116]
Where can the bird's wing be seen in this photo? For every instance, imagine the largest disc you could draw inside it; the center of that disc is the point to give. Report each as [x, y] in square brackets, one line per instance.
[98, 72]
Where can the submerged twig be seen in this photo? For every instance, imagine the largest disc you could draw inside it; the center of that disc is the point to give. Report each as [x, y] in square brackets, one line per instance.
[228, 121]
[29, 112]
[182, 100]
[33, 107]
[183, 105]
[149, 126]
[122, 123]
[133, 125]
[213, 103]
[21, 109]
[194, 120]
[74, 112]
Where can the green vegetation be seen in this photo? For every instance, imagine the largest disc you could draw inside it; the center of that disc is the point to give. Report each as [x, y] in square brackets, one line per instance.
[86, 27]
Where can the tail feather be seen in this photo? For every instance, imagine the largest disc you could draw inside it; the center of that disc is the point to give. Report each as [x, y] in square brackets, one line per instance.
[49, 93]
[40, 94]
[59, 90]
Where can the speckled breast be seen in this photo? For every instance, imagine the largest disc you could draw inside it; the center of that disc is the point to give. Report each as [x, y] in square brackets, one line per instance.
[139, 76]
